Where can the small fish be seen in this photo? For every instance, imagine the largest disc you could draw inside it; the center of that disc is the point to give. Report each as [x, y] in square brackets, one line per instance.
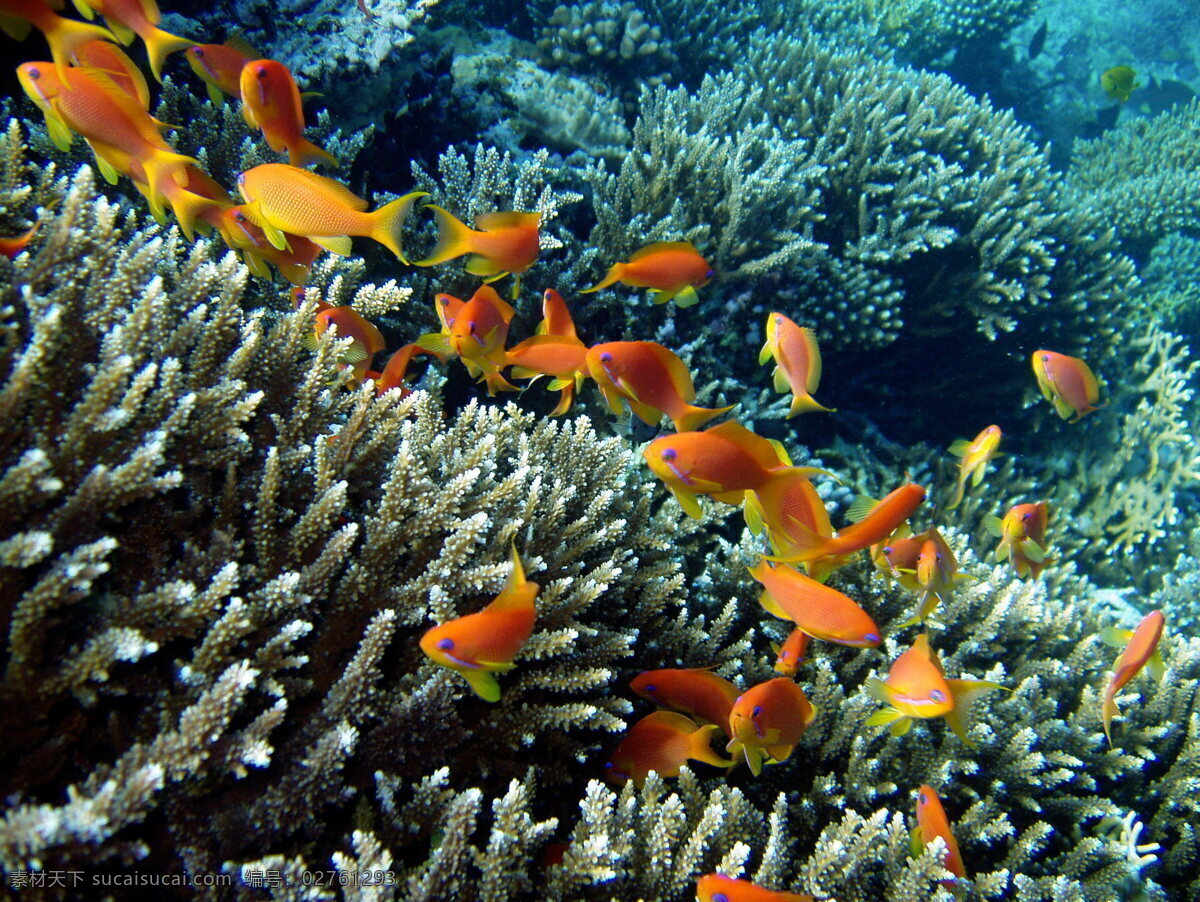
[271, 103]
[784, 499]
[917, 688]
[661, 742]
[141, 17]
[876, 520]
[12, 247]
[896, 557]
[1141, 649]
[1068, 382]
[976, 455]
[696, 692]
[767, 721]
[797, 362]
[348, 323]
[112, 61]
[719, 888]
[932, 823]
[822, 612]
[395, 371]
[935, 574]
[792, 653]
[674, 269]
[507, 242]
[286, 199]
[1022, 535]
[475, 333]
[477, 645]
[220, 66]
[652, 380]
[1038, 42]
[293, 262]
[1119, 83]
[65, 36]
[556, 316]
[561, 357]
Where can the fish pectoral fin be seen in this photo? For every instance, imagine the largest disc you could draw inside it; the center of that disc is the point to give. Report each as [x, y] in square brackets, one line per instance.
[108, 171]
[780, 381]
[771, 606]
[752, 511]
[780, 752]
[483, 684]
[662, 295]
[437, 344]
[687, 297]
[1155, 665]
[689, 503]
[764, 354]
[336, 244]
[860, 507]
[1115, 637]
[1033, 551]
[59, 133]
[994, 525]
[496, 666]
[478, 265]
[960, 447]
[215, 97]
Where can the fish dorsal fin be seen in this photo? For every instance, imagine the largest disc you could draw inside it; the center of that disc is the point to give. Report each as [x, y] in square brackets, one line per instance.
[237, 41]
[860, 507]
[661, 246]
[781, 451]
[507, 220]
[488, 293]
[518, 592]
[756, 446]
[151, 11]
[334, 190]
[814, 357]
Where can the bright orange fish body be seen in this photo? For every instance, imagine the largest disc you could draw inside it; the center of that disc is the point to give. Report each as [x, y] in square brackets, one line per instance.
[797, 362]
[367, 340]
[11, 247]
[820, 611]
[878, 521]
[477, 645]
[719, 888]
[556, 316]
[65, 36]
[474, 332]
[932, 823]
[917, 688]
[1141, 649]
[113, 62]
[651, 379]
[1068, 382]
[768, 720]
[792, 653]
[220, 66]
[271, 103]
[294, 262]
[696, 692]
[561, 357]
[661, 742]
[896, 557]
[506, 242]
[975, 454]
[780, 502]
[674, 269]
[285, 199]
[141, 17]
[395, 371]
[1022, 535]
[934, 575]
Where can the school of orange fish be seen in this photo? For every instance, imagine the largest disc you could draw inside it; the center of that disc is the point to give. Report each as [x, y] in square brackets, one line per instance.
[289, 214]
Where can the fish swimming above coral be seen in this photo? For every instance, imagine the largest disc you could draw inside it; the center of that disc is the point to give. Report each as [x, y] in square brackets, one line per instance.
[220, 66]
[662, 742]
[65, 36]
[271, 103]
[767, 720]
[975, 456]
[797, 362]
[1022, 535]
[719, 888]
[501, 243]
[1068, 382]
[696, 692]
[673, 269]
[141, 17]
[1140, 650]
[475, 332]
[932, 823]
[820, 611]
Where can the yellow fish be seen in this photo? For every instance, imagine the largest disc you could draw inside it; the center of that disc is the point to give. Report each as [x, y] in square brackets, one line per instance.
[1119, 82]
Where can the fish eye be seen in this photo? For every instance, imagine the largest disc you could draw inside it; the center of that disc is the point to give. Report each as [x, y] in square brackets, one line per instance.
[887, 549]
[784, 655]
[669, 454]
[651, 688]
[1045, 358]
[939, 556]
[937, 695]
[197, 51]
[1027, 516]
[261, 74]
[757, 711]
[922, 798]
[872, 637]
[33, 73]
[239, 216]
[471, 327]
[606, 357]
[443, 300]
[720, 897]
[446, 644]
[709, 274]
[241, 179]
[608, 765]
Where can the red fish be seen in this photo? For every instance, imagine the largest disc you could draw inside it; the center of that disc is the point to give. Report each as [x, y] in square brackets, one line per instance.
[505, 243]
[221, 65]
[674, 269]
[662, 742]
[141, 17]
[932, 823]
[768, 720]
[876, 521]
[652, 379]
[1141, 648]
[780, 501]
[719, 888]
[820, 611]
[475, 332]
[1068, 382]
[294, 261]
[11, 247]
[917, 688]
[797, 362]
[477, 645]
[65, 36]
[792, 653]
[697, 692]
[1022, 535]
[271, 103]
[975, 454]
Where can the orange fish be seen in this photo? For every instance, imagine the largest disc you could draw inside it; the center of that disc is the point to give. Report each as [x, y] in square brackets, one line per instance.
[91, 104]
[820, 611]
[271, 103]
[556, 317]
[395, 371]
[65, 36]
[506, 243]
[1068, 382]
[652, 379]
[722, 462]
[284, 198]
[475, 333]
[719, 888]
[768, 720]
[110, 59]
[696, 692]
[1141, 648]
[779, 502]
[220, 66]
[293, 262]
[11, 247]
[934, 574]
[792, 653]
[561, 357]
[661, 742]
[917, 687]
[797, 362]
[477, 645]
[674, 269]
[896, 556]
[366, 340]
[141, 17]
[1022, 535]
[976, 455]
[932, 823]
[876, 520]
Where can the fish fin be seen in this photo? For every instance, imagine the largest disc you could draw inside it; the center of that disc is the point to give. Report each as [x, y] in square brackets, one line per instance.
[960, 447]
[1109, 710]
[107, 170]
[977, 476]
[239, 43]
[901, 726]
[809, 337]
[764, 353]
[437, 344]
[296, 273]
[507, 220]
[614, 274]
[765, 453]
[1156, 667]
[884, 717]
[965, 692]
[771, 606]
[686, 297]
[780, 451]
[68, 36]
[254, 213]
[565, 399]
[752, 512]
[17, 29]
[780, 752]
[454, 237]
[123, 33]
[483, 683]
[1033, 551]
[689, 503]
[335, 244]
[518, 592]
[388, 223]
[560, 384]
[496, 382]
[806, 403]
[1064, 410]
[877, 689]
[188, 206]
[803, 543]
[215, 95]
[479, 265]
[659, 246]
[780, 382]
[994, 525]
[695, 417]
[161, 44]
[160, 166]
[701, 750]
[255, 264]
[60, 134]
[306, 96]
[651, 416]
[916, 843]
[662, 295]
[1115, 637]
[860, 507]
[305, 153]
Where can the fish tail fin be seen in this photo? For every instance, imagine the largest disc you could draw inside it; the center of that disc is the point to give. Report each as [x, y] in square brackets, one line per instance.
[965, 692]
[701, 750]
[388, 226]
[694, 417]
[614, 274]
[68, 35]
[188, 207]
[161, 44]
[454, 237]
[305, 153]
[959, 492]
[160, 167]
[806, 403]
